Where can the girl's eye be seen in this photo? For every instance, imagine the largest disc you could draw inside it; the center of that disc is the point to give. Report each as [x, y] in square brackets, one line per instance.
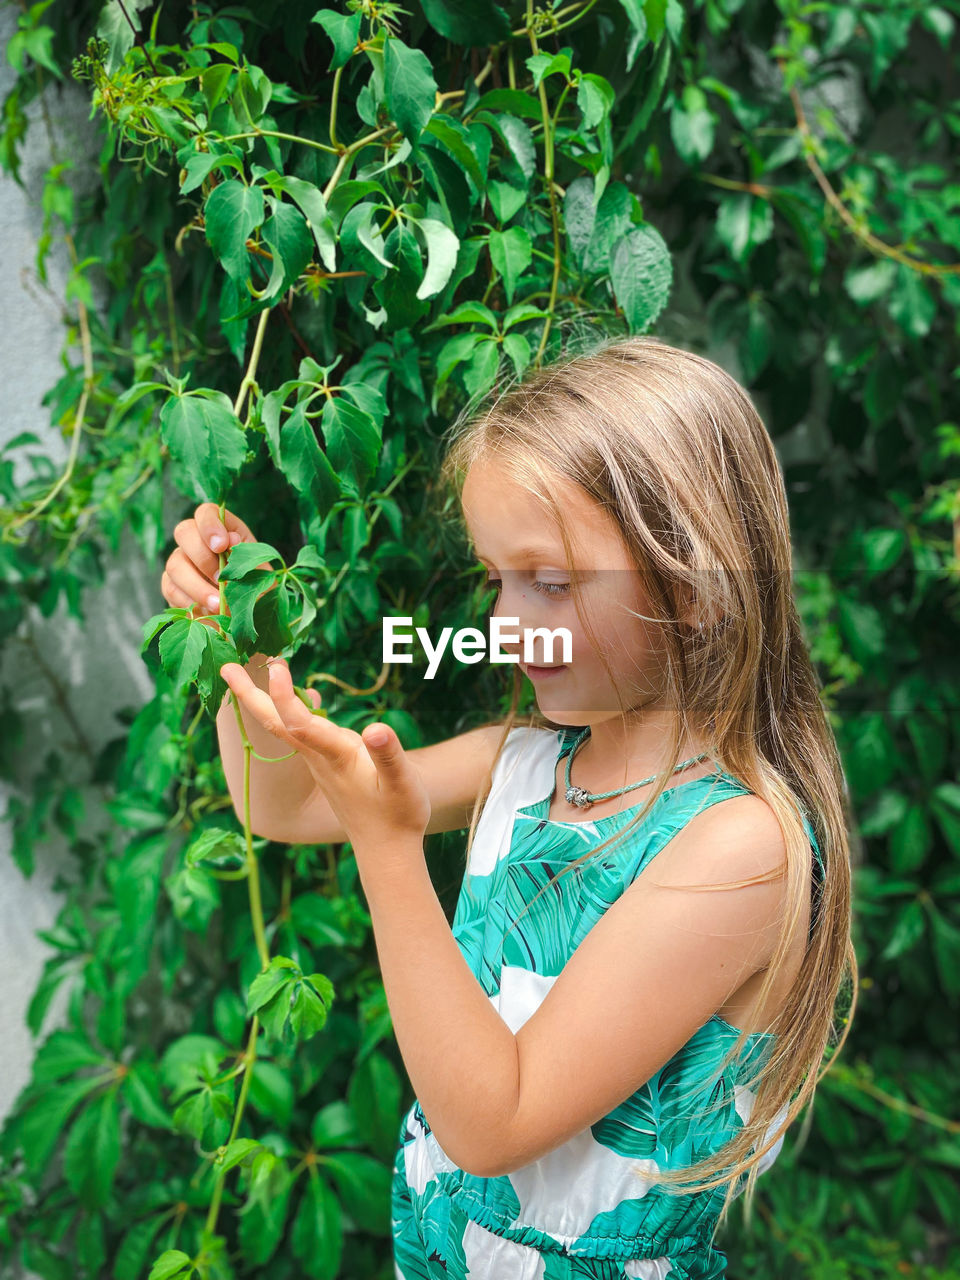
[552, 588]
[555, 589]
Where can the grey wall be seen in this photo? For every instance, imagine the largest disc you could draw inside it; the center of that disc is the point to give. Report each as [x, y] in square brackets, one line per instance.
[97, 672]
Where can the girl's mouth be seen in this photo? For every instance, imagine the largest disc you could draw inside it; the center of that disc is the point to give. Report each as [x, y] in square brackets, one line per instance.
[544, 673]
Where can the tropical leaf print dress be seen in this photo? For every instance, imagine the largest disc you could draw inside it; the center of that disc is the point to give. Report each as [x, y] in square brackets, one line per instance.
[585, 1209]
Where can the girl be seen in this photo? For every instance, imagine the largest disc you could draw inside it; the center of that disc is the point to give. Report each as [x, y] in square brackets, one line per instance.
[654, 923]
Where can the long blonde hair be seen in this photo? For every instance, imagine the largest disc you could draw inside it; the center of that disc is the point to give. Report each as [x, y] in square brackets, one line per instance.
[672, 447]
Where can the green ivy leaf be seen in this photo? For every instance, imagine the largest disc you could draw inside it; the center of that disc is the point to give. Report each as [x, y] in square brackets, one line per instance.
[311, 202]
[305, 464]
[131, 1257]
[409, 87]
[194, 895]
[288, 238]
[374, 1094]
[217, 847]
[910, 840]
[237, 1152]
[92, 1150]
[272, 1092]
[352, 438]
[281, 971]
[862, 627]
[511, 252]
[173, 1264]
[908, 929]
[36, 1130]
[595, 98]
[308, 1013]
[344, 30]
[141, 1092]
[316, 1237]
[542, 65]
[911, 303]
[466, 313]
[518, 349]
[213, 83]
[468, 22]
[513, 102]
[442, 248]
[505, 199]
[210, 683]
[206, 438]
[231, 214]
[613, 220]
[865, 284]
[457, 138]
[364, 1185]
[693, 128]
[200, 164]
[62, 1054]
[118, 29]
[181, 650]
[743, 222]
[641, 272]
[206, 1115]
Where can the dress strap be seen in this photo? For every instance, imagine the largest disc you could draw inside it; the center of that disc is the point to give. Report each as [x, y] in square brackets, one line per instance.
[568, 736]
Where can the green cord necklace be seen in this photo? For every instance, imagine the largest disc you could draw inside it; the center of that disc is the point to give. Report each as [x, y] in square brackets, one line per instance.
[577, 795]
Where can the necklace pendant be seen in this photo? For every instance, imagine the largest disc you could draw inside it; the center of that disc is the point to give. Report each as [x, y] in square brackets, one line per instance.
[577, 796]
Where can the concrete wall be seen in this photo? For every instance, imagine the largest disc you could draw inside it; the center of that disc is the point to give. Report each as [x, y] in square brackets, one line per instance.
[98, 672]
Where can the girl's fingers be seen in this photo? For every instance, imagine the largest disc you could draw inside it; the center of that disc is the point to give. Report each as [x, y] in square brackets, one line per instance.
[174, 596]
[216, 534]
[184, 574]
[195, 551]
[328, 740]
[256, 701]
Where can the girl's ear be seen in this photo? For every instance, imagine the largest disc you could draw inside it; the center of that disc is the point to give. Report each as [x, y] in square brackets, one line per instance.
[694, 612]
[688, 610]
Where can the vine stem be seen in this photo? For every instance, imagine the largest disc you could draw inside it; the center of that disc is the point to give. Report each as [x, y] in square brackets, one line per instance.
[548, 176]
[880, 247]
[263, 950]
[249, 378]
[334, 96]
[86, 347]
[284, 137]
[250, 1055]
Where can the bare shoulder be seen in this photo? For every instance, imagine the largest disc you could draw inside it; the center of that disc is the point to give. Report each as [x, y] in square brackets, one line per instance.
[734, 839]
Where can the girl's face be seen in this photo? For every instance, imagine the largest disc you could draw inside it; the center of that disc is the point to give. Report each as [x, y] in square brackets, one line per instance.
[519, 544]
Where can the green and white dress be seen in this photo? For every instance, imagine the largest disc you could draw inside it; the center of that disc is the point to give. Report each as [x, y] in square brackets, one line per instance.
[586, 1208]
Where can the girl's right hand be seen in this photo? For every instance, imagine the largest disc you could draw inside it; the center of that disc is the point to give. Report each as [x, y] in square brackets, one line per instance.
[188, 578]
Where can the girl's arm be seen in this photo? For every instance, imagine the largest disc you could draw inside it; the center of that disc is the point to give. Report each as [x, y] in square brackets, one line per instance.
[652, 970]
[288, 805]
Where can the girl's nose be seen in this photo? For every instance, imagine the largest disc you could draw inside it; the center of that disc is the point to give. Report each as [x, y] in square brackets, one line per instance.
[519, 600]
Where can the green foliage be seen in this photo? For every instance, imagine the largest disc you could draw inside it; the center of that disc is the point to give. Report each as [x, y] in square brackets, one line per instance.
[317, 236]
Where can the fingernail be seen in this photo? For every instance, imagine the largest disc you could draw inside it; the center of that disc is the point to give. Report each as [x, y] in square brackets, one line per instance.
[213, 601]
[217, 542]
[216, 576]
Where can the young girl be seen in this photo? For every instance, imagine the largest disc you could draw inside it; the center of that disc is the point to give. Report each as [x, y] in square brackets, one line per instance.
[654, 924]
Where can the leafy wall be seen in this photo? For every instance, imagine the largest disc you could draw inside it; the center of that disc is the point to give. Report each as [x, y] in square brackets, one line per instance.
[312, 238]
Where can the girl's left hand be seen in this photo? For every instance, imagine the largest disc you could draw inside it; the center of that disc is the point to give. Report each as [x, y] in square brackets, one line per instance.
[375, 791]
